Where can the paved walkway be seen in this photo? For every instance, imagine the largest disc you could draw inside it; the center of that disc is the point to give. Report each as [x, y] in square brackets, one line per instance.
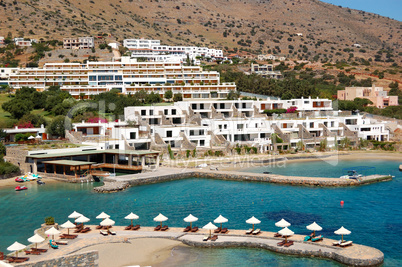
[358, 254]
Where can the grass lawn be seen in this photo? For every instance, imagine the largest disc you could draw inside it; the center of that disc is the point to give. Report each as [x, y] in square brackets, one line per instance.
[4, 116]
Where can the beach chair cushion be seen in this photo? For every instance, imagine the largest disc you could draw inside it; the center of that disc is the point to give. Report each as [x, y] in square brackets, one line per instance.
[346, 243]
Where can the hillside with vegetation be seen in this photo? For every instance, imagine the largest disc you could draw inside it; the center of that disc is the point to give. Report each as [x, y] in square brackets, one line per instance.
[266, 26]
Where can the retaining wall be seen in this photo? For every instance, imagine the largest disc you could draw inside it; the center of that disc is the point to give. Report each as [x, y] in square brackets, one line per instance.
[84, 259]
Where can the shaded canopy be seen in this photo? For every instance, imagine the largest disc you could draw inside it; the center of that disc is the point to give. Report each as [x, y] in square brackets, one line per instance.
[82, 219]
[36, 239]
[74, 215]
[314, 227]
[68, 225]
[16, 246]
[220, 219]
[107, 222]
[282, 223]
[102, 216]
[132, 216]
[286, 232]
[342, 231]
[160, 218]
[190, 218]
[210, 226]
[52, 231]
[253, 220]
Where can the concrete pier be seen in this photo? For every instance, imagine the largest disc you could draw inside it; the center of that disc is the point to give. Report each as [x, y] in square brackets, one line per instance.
[171, 174]
[355, 255]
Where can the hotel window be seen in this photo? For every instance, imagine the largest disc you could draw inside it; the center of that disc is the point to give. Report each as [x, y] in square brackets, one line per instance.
[173, 112]
[202, 142]
[143, 112]
[220, 127]
[132, 135]
[92, 78]
[194, 106]
[169, 134]
[332, 124]
[166, 112]
[201, 132]
[311, 124]
[225, 126]
[191, 132]
[240, 126]
[222, 105]
[201, 106]
[151, 112]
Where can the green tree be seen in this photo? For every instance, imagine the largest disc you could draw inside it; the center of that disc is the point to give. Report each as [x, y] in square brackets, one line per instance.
[168, 95]
[2, 149]
[177, 97]
[36, 120]
[58, 126]
[17, 107]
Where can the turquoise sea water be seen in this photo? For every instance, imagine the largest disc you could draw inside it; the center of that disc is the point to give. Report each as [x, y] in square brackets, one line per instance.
[373, 212]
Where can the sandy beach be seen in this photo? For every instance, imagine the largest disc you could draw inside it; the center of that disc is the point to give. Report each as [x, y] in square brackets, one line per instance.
[10, 182]
[142, 251]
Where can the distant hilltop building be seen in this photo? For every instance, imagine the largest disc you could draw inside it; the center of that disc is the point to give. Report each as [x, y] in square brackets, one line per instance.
[127, 76]
[78, 43]
[270, 57]
[153, 50]
[266, 71]
[377, 95]
[299, 34]
[1, 40]
[24, 41]
[357, 45]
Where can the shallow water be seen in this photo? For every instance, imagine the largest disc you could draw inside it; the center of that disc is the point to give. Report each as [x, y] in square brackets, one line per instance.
[370, 212]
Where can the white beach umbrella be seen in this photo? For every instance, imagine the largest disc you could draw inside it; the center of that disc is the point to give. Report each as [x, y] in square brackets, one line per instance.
[220, 220]
[16, 247]
[190, 218]
[253, 221]
[69, 225]
[31, 137]
[160, 218]
[102, 216]
[38, 137]
[52, 231]
[107, 222]
[286, 232]
[74, 215]
[314, 227]
[82, 219]
[210, 226]
[342, 231]
[282, 223]
[36, 239]
[132, 217]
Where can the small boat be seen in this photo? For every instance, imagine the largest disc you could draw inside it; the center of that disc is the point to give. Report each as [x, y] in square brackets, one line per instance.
[351, 175]
[19, 180]
[40, 182]
[20, 188]
[266, 172]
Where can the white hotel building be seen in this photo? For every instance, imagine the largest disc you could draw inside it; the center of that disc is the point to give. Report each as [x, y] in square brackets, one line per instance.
[127, 76]
[154, 50]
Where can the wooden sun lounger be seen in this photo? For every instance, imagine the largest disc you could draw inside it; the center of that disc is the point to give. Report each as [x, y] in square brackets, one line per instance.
[195, 229]
[224, 231]
[217, 230]
[214, 238]
[103, 232]
[164, 228]
[277, 235]
[336, 243]
[187, 229]
[346, 243]
[128, 227]
[249, 231]
[62, 242]
[99, 227]
[157, 228]
[134, 228]
[317, 238]
[17, 259]
[33, 252]
[256, 232]
[65, 236]
[205, 238]
[288, 244]
[40, 249]
[281, 243]
[85, 230]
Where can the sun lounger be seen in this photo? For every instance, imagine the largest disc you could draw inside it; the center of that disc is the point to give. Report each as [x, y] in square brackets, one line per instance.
[17, 259]
[214, 238]
[157, 228]
[65, 236]
[277, 235]
[136, 227]
[224, 231]
[111, 232]
[249, 231]
[103, 232]
[317, 238]
[128, 227]
[164, 228]
[40, 249]
[195, 229]
[205, 238]
[256, 232]
[281, 243]
[336, 243]
[346, 243]
[33, 252]
[85, 230]
[62, 243]
[1, 255]
[307, 238]
[187, 229]
[217, 230]
[288, 244]
[99, 227]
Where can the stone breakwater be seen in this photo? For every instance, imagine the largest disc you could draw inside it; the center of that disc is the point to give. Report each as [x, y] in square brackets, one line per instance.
[115, 184]
[87, 259]
[341, 255]
[111, 187]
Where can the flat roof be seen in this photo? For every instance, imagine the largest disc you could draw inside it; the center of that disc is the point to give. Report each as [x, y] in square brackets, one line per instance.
[93, 152]
[69, 162]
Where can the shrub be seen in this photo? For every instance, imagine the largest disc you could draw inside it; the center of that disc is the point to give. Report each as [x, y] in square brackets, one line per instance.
[49, 220]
